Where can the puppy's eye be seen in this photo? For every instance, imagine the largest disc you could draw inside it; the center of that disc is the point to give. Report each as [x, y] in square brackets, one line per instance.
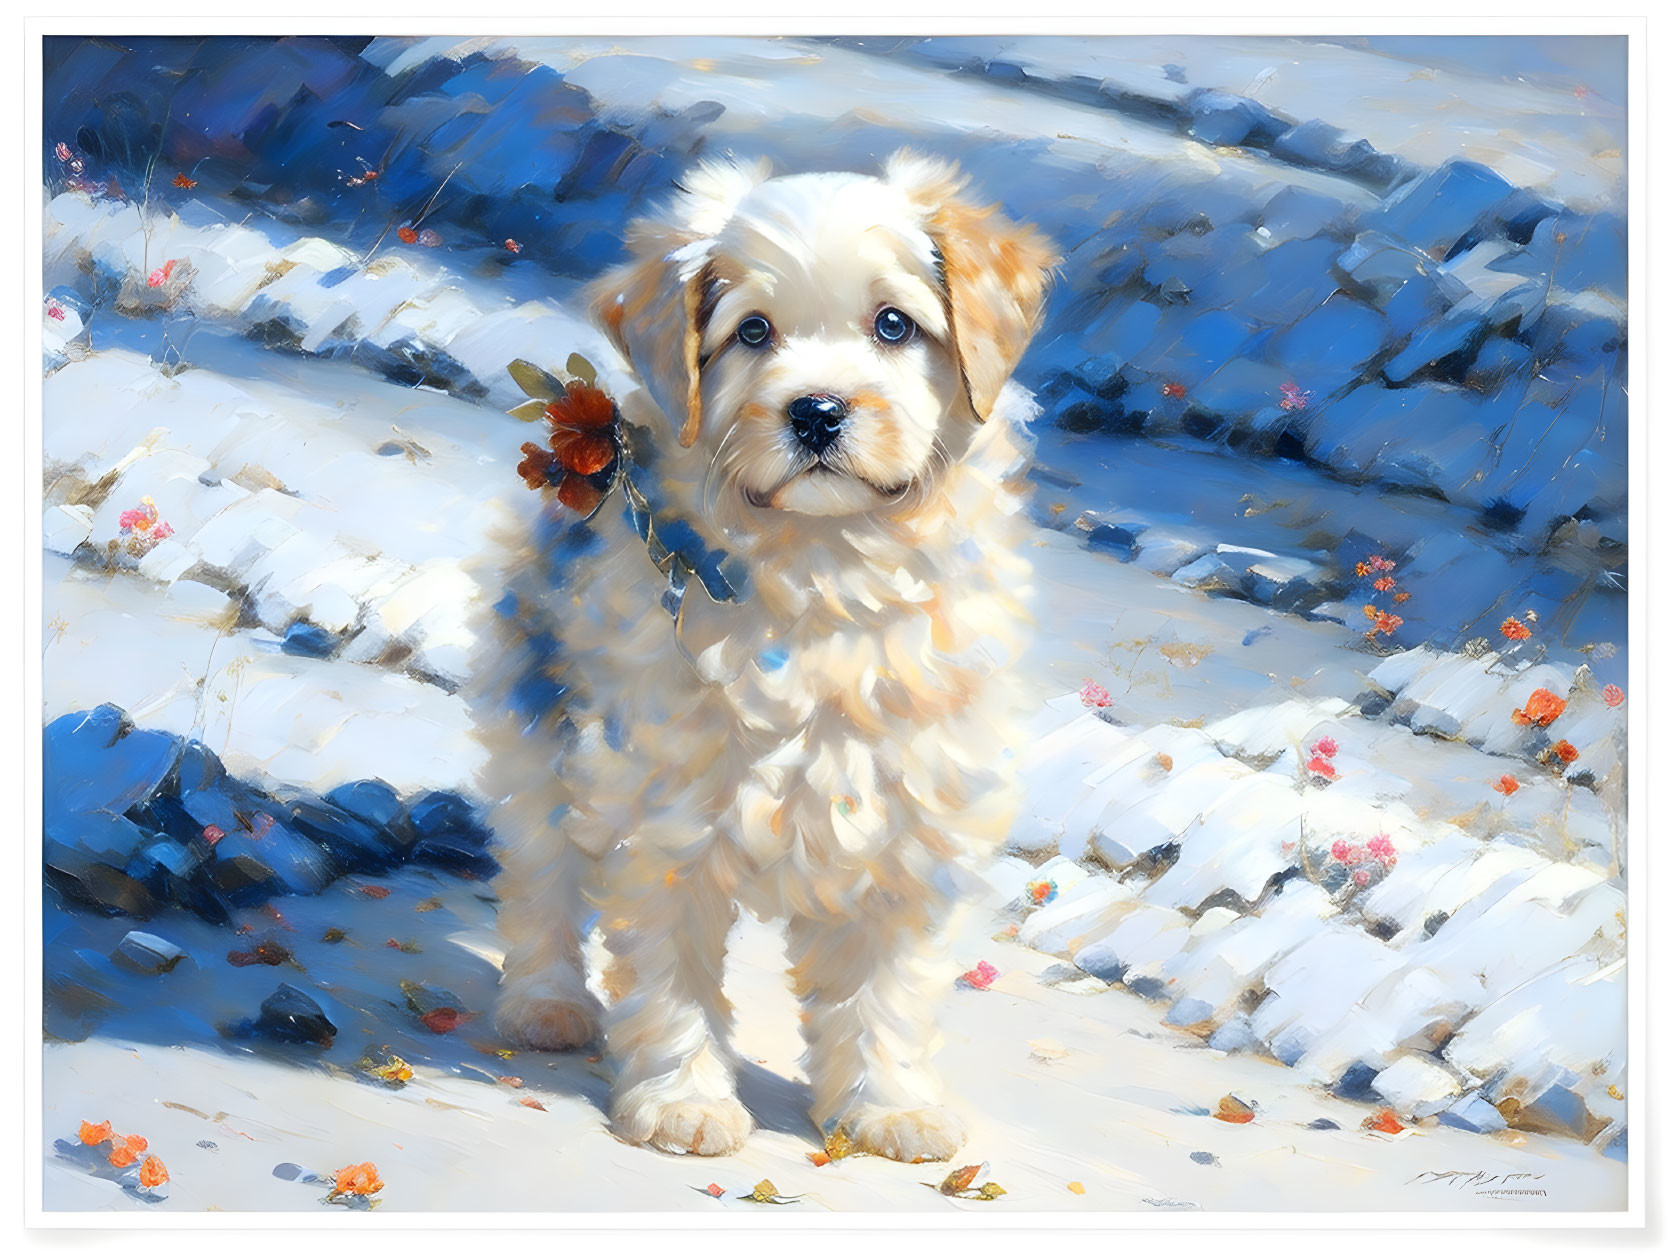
[894, 327]
[755, 331]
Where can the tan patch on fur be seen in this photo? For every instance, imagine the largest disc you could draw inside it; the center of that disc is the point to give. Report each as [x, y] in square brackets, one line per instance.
[693, 353]
[618, 979]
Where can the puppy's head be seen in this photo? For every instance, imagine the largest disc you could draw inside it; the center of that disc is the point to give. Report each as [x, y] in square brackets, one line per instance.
[825, 342]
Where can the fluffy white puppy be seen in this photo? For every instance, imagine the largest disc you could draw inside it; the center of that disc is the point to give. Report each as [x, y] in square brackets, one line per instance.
[815, 725]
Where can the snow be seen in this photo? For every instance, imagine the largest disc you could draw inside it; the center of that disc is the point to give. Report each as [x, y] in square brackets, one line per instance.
[316, 411]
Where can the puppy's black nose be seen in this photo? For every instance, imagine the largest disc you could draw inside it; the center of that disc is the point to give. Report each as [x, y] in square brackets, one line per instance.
[817, 420]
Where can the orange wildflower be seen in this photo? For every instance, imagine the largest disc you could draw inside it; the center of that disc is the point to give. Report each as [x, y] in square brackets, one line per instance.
[186, 181]
[1507, 785]
[1384, 584]
[407, 235]
[93, 1134]
[152, 1173]
[1542, 708]
[1565, 752]
[1385, 1121]
[358, 1178]
[126, 1150]
[1515, 630]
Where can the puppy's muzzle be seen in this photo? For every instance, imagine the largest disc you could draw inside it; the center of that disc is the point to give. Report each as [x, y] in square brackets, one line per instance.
[817, 420]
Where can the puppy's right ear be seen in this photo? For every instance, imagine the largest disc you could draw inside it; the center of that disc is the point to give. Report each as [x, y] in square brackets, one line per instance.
[655, 307]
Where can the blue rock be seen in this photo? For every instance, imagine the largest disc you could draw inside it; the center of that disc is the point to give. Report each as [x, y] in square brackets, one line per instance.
[1330, 345]
[1188, 1011]
[1617, 1147]
[371, 800]
[248, 868]
[1323, 1123]
[1237, 1033]
[446, 814]
[353, 844]
[1320, 146]
[1355, 1084]
[1298, 214]
[309, 640]
[1219, 117]
[1289, 280]
[97, 760]
[1416, 303]
[198, 768]
[1099, 959]
[1433, 212]
[1473, 1114]
[85, 880]
[1558, 1110]
[1591, 254]
[163, 866]
[1381, 265]
[1584, 337]
[1107, 538]
[1448, 345]
[1517, 216]
[1239, 388]
[456, 852]
[110, 839]
[1199, 348]
[1127, 334]
[1497, 360]
[291, 1016]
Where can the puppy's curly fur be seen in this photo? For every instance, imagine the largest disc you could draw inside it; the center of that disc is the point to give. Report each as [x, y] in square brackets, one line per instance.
[823, 747]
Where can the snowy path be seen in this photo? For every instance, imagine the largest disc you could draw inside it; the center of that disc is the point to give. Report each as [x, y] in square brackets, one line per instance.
[1126, 1101]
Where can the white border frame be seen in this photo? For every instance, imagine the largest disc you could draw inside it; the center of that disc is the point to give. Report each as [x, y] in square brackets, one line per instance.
[1370, 1230]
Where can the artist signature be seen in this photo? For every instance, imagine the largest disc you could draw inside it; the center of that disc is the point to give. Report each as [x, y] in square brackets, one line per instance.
[1486, 1184]
[1170, 1202]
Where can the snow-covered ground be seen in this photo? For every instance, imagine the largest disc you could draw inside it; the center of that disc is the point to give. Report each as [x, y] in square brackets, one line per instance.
[1264, 857]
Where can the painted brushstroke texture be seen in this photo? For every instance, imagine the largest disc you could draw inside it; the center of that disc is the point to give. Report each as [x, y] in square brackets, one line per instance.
[1321, 304]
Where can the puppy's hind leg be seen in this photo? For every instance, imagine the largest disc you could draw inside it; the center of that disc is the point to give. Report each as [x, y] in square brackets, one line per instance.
[544, 1002]
[869, 1029]
[667, 1026]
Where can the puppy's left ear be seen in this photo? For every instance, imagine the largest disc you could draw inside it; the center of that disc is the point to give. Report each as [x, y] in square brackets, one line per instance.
[996, 273]
[653, 312]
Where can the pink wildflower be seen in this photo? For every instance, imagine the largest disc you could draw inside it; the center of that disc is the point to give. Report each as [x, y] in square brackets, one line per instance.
[1293, 397]
[1325, 747]
[64, 153]
[1094, 694]
[429, 238]
[1612, 695]
[160, 275]
[55, 311]
[139, 520]
[1342, 852]
[1362, 877]
[163, 531]
[1380, 845]
[212, 834]
[980, 976]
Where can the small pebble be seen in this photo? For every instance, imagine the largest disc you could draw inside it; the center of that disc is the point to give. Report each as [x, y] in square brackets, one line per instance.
[1203, 1157]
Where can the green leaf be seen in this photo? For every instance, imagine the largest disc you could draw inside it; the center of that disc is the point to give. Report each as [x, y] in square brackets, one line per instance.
[535, 381]
[578, 367]
[528, 411]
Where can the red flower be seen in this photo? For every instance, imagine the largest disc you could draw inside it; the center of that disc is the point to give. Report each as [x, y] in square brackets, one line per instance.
[180, 180]
[1612, 695]
[1320, 766]
[1173, 390]
[406, 235]
[1385, 584]
[1094, 694]
[55, 311]
[63, 152]
[160, 275]
[1380, 846]
[1515, 630]
[980, 976]
[1342, 852]
[212, 833]
[1542, 708]
[1565, 752]
[1362, 877]
[1325, 747]
[512, 246]
[1381, 621]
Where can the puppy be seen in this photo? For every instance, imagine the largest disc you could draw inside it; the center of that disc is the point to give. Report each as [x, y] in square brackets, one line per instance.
[814, 722]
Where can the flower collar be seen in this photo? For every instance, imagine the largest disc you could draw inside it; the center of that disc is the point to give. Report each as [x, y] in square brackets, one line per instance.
[589, 453]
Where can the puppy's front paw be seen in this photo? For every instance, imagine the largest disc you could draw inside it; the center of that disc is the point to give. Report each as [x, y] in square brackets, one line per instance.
[911, 1136]
[684, 1126]
[545, 1023]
